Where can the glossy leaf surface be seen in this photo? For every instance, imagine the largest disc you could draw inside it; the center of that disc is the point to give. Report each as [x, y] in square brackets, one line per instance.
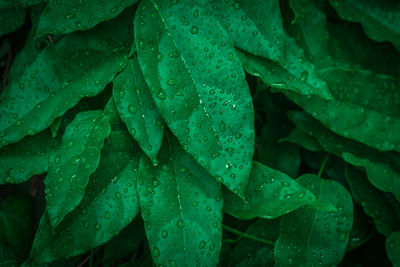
[311, 237]
[212, 114]
[270, 194]
[110, 203]
[61, 17]
[382, 168]
[31, 102]
[380, 19]
[181, 208]
[30, 156]
[71, 166]
[137, 109]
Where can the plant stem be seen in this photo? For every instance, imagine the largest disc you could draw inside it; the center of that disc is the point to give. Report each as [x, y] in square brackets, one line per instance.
[321, 169]
[237, 232]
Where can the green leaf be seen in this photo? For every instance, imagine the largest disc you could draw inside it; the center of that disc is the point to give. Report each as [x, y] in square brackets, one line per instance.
[309, 237]
[380, 19]
[373, 202]
[393, 248]
[110, 203]
[16, 224]
[19, 3]
[351, 111]
[212, 115]
[7, 258]
[11, 19]
[39, 92]
[249, 253]
[137, 109]
[302, 139]
[181, 208]
[270, 194]
[30, 156]
[383, 169]
[71, 166]
[61, 17]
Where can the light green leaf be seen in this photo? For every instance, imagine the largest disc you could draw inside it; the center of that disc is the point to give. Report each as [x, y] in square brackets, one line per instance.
[181, 208]
[137, 109]
[373, 202]
[16, 224]
[393, 248]
[61, 17]
[251, 253]
[380, 19]
[382, 168]
[40, 92]
[110, 203]
[309, 237]
[212, 115]
[270, 194]
[30, 156]
[11, 19]
[71, 166]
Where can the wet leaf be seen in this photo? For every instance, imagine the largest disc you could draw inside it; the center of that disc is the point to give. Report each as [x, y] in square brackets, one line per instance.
[137, 109]
[270, 194]
[11, 19]
[380, 19]
[181, 208]
[61, 17]
[110, 203]
[212, 115]
[393, 248]
[309, 237]
[71, 166]
[41, 93]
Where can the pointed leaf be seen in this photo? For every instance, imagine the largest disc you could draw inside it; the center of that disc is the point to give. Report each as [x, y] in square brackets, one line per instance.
[71, 166]
[373, 202]
[309, 237]
[61, 17]
[181, 208]
[39, 92]
[110, 203]
[383, 169]
[270, 194]
[20, 161]
[393, 248]
[380, 19]
[212, 115]
[137, 109]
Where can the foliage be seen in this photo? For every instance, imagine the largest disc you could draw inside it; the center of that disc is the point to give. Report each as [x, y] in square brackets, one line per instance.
[204, 133]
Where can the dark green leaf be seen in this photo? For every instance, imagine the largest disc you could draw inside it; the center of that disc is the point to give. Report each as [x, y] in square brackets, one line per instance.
[393, 248]
[19, 3]
[16, 224]
[110, 203]
[71, 166]
[199, 87]
[373, 202]
[380, 19]
[11, 19]
[39, 92]
[249, 253]
[7, 258]
[304, 140]
[137, 109]
[30, 156]
[309, 237]
[270, 194]
[382, 168]
[181, 208]
[61, 17]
